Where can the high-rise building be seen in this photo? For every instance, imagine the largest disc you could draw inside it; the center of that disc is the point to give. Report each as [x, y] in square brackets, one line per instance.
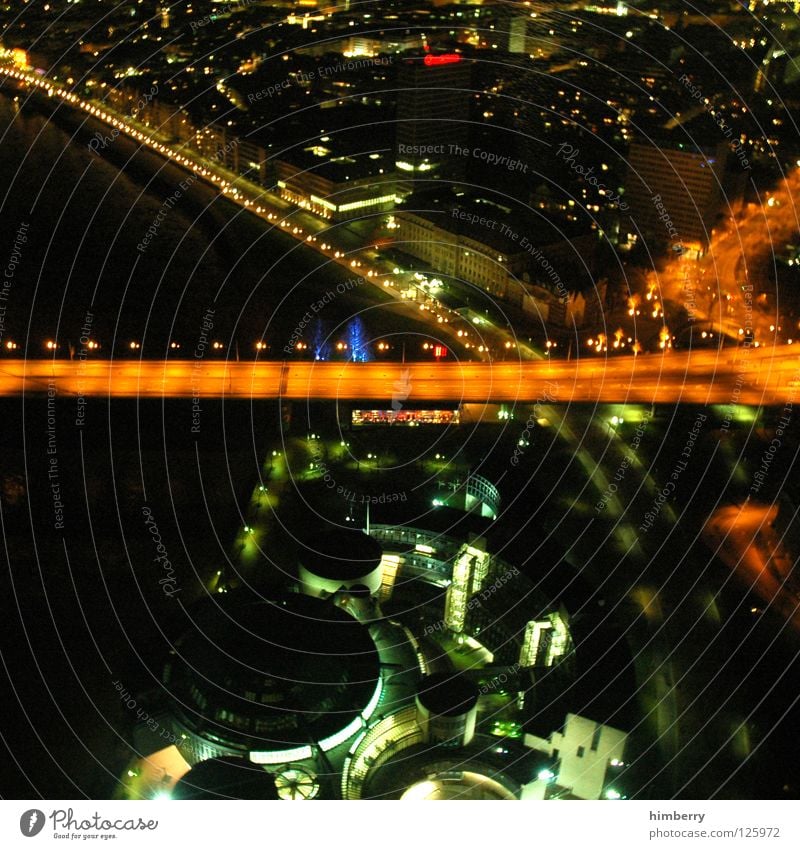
[533, 35]
[676, 193]
[432, 113]
[469, 572]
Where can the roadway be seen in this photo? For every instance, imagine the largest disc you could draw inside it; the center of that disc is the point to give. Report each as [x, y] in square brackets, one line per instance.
[767, 376]
[744, 538]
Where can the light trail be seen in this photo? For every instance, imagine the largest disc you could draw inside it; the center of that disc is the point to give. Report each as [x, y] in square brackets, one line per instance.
[763, 377]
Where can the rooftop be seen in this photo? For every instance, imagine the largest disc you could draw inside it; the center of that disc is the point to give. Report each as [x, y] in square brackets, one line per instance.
[272, 674]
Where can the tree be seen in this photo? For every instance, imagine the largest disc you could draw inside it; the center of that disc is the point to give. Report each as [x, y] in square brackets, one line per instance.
[357, 341]
[320, 344]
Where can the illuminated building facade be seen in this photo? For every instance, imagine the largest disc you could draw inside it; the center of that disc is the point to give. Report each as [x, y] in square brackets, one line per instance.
[432, 114]
[469, 572]
[675, 194]
[588, 756]
[545, 641]
[408, 417]
[533, 34]
[334, 187]
[483, 257]
[212, 141]
[521, 258]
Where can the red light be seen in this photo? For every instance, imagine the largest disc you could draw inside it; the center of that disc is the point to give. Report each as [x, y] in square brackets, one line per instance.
[439, 351]
[443, 59]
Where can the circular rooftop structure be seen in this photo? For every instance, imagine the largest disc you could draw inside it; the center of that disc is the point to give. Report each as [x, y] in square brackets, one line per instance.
[447, 694]
[272, 678]
[226, 778]
[447, 709]
[458, 785]
[339, 558]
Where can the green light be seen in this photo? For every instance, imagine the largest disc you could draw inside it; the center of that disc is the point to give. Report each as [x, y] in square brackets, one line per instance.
[546, 775]
[611, 793]
[283, 756]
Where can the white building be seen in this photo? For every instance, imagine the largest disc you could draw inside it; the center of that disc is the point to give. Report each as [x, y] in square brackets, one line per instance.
[586, 752]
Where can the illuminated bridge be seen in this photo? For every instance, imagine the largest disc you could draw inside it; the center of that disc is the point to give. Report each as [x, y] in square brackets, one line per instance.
[766, 376]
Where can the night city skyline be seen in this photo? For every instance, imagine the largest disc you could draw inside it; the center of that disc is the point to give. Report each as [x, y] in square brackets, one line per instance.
[399, 403]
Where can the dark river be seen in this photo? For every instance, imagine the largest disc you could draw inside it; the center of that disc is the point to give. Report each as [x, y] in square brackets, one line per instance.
[85, 215]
